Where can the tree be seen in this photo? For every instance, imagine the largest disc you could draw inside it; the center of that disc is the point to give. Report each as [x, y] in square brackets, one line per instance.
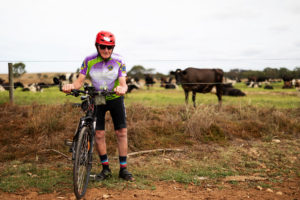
[18, 69]
[234, 74]
[137, 71]
[297, 72]
[271, 72]
[286, 73]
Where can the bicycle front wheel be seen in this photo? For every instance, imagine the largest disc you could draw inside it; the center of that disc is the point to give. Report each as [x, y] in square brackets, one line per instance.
[82, 168]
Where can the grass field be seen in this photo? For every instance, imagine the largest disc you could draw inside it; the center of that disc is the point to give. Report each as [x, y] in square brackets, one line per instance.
[157, 96]
[255, 136]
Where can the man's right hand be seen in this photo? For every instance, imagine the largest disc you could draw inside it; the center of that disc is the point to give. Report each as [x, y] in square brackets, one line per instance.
[67, 88]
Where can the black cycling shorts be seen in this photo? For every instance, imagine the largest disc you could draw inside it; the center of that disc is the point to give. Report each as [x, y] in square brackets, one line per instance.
[117, 111]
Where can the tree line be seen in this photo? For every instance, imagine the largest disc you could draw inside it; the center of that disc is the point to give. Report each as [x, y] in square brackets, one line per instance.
[235, 74]
[267, 73]
[139, 71]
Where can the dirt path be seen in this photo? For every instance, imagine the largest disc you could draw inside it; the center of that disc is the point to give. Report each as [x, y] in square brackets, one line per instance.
[166, 190]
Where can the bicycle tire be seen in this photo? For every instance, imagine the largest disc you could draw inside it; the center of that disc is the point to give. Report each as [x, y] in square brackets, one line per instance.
[82, 167]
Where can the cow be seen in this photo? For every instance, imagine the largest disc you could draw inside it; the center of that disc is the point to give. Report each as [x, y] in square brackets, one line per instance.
[33, 87]
[132, 83]
[296, 83]
[199, 80]
[2, 88]
[287, 82]
[16, 85]
[163, 81]
[229, 90]
[268, 87]
[149, 81]
[256, 81]
[167, 83]
[66, 78]
[43, 85]
[1, 81]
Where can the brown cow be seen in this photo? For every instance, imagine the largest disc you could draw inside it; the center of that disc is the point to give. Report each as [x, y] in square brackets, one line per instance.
[200, 80]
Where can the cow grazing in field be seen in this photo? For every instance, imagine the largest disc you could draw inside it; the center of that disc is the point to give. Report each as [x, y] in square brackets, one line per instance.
[287, 82]
[149, 81]
[255, 82]
[200, 80]
[132, 83]
[16, 85]
[33, 87]
[66, 78]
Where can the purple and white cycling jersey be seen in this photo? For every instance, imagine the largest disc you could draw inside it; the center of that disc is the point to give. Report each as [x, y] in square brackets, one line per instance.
[104, 74]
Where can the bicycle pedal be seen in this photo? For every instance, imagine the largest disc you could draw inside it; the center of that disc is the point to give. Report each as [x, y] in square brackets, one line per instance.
[68, 142]
[93, 177]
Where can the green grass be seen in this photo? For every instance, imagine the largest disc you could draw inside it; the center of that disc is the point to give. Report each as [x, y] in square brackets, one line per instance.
[197, 167]
[156, 96]
[220, 160]
[21, 176]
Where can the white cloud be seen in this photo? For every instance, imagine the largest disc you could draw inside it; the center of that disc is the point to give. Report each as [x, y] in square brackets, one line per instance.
[157, 34]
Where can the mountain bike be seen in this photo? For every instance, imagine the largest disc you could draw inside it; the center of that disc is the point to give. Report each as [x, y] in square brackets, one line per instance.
[83, 141]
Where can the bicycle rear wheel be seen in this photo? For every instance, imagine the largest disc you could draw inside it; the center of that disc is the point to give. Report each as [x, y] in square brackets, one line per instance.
[82, 167]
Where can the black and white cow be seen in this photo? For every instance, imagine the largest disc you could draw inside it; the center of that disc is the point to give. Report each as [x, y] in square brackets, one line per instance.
[65, 78]
[149, 81]
[132, 83]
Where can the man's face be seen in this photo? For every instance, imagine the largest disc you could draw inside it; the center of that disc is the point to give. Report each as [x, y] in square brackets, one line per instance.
[105, 51]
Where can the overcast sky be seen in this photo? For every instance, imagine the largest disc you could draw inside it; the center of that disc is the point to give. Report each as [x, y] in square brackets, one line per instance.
[159, 34]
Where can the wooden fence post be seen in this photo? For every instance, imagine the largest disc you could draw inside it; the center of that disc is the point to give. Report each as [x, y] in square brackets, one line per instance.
[11, 83]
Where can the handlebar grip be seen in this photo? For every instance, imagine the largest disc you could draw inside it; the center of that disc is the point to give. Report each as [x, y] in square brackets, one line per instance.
[77, 91]
[107, 93]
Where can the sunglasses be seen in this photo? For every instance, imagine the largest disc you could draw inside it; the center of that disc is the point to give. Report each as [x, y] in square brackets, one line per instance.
[105, 47]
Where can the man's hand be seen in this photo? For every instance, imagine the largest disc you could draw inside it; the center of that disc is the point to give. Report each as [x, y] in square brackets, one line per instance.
[67, 88]
[119, 90]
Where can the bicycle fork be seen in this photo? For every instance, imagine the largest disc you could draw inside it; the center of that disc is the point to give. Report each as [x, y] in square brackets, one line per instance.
[92, 138]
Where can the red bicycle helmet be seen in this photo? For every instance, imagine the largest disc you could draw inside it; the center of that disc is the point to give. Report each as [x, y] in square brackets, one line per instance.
[105, 38]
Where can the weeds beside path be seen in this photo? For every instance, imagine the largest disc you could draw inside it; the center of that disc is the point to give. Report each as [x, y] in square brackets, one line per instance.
[234, 153]
[214, 171]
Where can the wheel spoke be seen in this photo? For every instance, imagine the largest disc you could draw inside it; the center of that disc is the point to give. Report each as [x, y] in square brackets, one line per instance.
[81, 168]
[83, 163]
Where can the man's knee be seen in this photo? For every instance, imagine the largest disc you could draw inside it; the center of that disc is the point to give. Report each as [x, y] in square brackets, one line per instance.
[100, 134]
[121, 133]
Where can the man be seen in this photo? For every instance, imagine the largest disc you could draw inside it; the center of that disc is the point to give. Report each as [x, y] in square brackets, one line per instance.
[107, 71]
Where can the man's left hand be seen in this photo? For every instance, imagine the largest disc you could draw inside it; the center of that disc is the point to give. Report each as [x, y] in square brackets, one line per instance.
[119, 90]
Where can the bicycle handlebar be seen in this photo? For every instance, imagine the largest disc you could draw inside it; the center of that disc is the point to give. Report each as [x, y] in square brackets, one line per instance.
[91, 91]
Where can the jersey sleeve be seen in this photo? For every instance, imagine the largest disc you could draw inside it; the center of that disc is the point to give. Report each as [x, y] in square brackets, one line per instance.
[122, 70]
[83, 68]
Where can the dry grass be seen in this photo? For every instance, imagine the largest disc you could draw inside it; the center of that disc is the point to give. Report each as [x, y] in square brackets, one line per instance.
[28, 78]
[28, 130]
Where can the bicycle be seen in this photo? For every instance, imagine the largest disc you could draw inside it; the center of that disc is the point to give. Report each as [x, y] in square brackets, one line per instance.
[83, 141]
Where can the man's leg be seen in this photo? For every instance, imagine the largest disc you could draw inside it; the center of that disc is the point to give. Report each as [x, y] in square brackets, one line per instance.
[122, 141]
[101, 149]
[100, 142]
[123, 146]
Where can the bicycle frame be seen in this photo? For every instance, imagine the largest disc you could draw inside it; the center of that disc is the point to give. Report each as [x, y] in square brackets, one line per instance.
[85, 128]
[88, 120]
